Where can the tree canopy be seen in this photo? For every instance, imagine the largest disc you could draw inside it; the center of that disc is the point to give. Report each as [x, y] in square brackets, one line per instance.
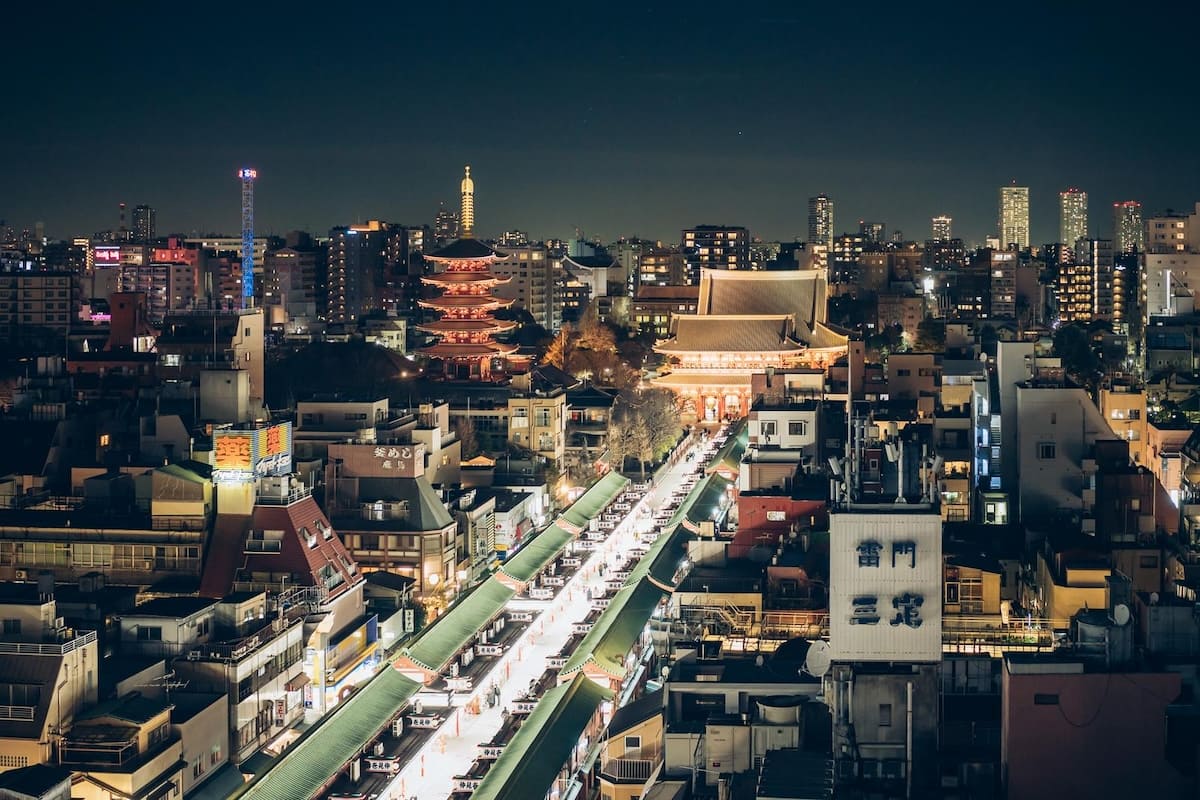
[644, 427]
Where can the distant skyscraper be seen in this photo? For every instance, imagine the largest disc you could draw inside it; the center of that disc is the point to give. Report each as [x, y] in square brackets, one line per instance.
[872, 232]
[1128, 233]
[1072, 216]
[445, 225]
[1014, 217]
[820, 220]
[143, 224]
[942, 228]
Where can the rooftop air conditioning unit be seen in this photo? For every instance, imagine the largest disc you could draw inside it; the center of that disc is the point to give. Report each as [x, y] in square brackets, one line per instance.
[21, 574]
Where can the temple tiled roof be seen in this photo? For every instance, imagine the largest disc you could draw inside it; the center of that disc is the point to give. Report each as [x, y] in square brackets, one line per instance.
[797, 293]
[732, 334]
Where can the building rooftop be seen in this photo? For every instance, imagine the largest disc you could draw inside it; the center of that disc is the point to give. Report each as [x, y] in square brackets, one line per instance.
[639, 710]
[187, 705]
[739, 669]
[33, 671]
[133, 707]
[732, 333]
[34, 780]
[389, 580]
[172, 607]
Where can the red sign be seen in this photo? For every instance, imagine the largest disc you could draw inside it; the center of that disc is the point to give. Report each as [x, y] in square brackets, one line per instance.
[175, 255]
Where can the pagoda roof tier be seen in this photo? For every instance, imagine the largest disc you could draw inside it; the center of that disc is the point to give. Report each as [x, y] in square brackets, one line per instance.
[467, 349]
[465, 250]
[466, 301]
[486, 325]
[460, 277]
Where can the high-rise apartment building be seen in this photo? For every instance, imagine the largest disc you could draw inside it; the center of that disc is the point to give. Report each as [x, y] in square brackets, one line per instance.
[872, 232]
[143, 224]
[1171, 262]
[662, 266]
[290, 287]
[366, 262]
[445, 225]
[843, 258]
[715, 247]
[820, 221]
[942, 228]
[1129, 234]
[34, 303]
[1085, 285]
[1003, 283]
[1072, 216]
[1014, 217]
[532, 282]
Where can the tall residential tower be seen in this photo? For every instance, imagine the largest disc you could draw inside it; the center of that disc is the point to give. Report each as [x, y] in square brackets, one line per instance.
[1129, 235]
[941, 227]
[1014, 217]
[1072, 216]
[820, 221]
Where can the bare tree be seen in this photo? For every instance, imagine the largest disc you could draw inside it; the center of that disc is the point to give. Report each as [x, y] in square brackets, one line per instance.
[464, 427]
[644, 426]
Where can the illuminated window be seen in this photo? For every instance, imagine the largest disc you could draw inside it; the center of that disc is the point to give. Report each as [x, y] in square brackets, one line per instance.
[105, 439]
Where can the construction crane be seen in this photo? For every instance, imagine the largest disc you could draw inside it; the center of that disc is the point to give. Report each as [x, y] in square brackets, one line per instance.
[247, 175]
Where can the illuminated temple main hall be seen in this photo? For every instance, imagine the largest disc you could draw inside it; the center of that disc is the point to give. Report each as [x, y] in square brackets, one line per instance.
[746, 322]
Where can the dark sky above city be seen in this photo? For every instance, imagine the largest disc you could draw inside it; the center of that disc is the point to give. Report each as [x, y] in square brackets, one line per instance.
[620, 119]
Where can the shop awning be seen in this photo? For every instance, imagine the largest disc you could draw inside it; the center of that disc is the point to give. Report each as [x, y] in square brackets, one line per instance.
[297, 683]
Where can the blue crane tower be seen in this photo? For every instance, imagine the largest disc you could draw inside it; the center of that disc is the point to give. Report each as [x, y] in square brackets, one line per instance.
[247, 175]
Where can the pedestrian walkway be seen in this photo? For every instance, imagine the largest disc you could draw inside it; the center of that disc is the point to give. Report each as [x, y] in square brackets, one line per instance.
[451, 752]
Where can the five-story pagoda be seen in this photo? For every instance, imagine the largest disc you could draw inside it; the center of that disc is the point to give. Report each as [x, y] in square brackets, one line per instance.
[467, 327]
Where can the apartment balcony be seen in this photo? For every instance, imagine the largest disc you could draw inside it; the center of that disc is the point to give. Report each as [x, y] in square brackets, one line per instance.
[60, 648]
[627, 769]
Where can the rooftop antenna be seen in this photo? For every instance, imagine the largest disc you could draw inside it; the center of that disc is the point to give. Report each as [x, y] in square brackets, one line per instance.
[166, 682]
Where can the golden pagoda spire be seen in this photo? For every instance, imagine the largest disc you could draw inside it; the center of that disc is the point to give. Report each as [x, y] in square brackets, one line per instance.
[466, 228]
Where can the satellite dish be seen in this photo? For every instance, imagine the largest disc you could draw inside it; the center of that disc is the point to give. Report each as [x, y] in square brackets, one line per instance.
[1121, 614]
[816, 663]
[1154, 598]
[758, 660]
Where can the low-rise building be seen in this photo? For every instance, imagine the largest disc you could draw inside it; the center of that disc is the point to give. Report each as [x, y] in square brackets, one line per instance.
[1123, 405]
[1074, 728]
[48, 673]
[654, 306]
[125, 748]
[632, 751]
[254, 657]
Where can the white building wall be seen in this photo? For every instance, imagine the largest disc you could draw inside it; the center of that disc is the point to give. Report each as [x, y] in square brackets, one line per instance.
[1056, 429]
[854, 576]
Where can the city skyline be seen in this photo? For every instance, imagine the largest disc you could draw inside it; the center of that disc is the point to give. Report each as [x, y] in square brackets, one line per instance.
[575, 164]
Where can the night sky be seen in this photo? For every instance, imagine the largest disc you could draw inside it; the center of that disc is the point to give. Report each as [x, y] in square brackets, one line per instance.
[619, 119]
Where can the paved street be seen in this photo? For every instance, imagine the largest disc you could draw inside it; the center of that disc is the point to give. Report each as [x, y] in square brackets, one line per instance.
[430, 774]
